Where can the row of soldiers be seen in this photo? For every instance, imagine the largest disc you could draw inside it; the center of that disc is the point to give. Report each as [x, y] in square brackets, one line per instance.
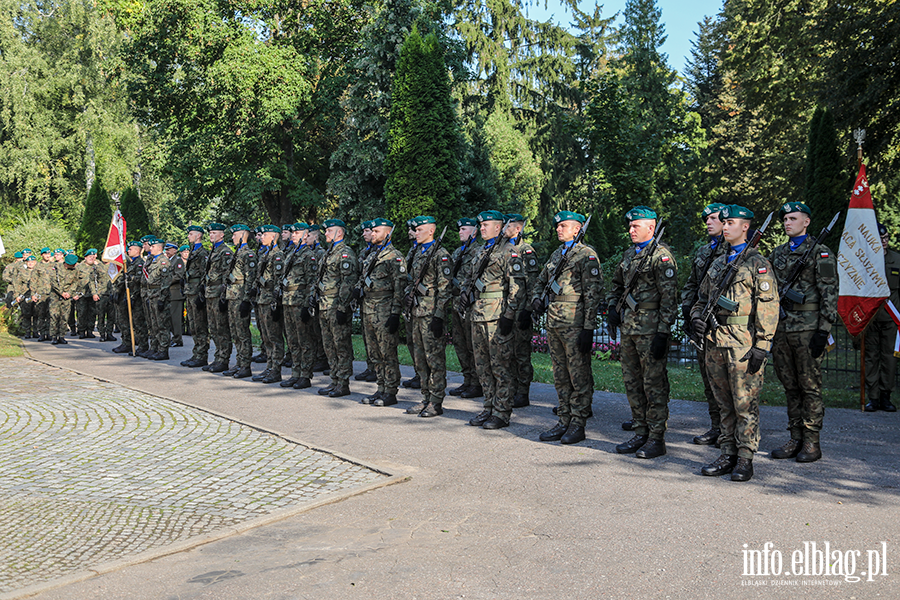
[735, 305]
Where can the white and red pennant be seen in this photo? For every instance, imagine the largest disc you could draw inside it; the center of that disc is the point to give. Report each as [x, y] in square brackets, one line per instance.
[114, 251]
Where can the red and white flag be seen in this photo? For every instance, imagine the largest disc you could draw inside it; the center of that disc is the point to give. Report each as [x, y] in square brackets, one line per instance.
[863, 287]
[114, 251]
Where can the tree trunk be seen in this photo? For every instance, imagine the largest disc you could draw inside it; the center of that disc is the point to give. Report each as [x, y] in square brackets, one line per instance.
[90, 163]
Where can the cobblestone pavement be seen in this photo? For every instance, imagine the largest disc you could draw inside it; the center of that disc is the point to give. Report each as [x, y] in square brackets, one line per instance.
[94, 472]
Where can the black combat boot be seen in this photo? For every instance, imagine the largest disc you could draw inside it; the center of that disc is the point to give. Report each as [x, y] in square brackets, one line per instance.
[554, 434]
[789, 450]
[743, 470]
[886, 405]
[632, 445]
[709, 438]
[722, 466]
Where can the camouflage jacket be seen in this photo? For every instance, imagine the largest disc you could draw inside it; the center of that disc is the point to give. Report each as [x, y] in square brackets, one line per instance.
[39, 281]
[86, 273]
[99, 283]
[21, 285]
[242, 277]
[386, 282]
[892, 274]
[463, 265]
[195, 270]
[300, 269]
[67, 280]
[270, 278]
[134, 277]
[755, 291]
[581, 288]
[702, 261]
[532, 271]
[176, 285]
[217, 272]
[501, 292]
[158, 277]
[817, 283]
[340, 273]
[434, 292]
[654, 297]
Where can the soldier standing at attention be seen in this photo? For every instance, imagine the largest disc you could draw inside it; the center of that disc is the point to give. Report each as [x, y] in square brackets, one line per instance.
[462, 259]
[218, 269]
[522, 370]
[703, 259]
[570, 325]
[736, 350]
[100, 290]
[802, 333]
[195, 297]
[65, 285]
[880, 336]
[369, 373]
[157, 279]
[427, 295]
[269, 310]
[26, 294]
[317, 252]
[176, 296]
[237, 293]
[500, 294]
[85, 303]
[133, 276]
[415, 382]
[337, 275]
[42, 309]
[295, 297]
[650, 308]
[383, 285]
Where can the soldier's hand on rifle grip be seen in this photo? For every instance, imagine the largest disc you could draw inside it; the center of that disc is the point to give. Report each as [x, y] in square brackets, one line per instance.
[277, 312]
[437, 327]
[305, 315]
[355, 294]
[612, 317]
[200, 302]
[408, 301]
[699, 326]
[817, 343]
[585, 340]
[505, 326]
[686, 315]
[160, 305]
[537, 306]
[755, 357]
[659, 346]
[341, 317]
[525, 320]
[244, 309]
[393, 324]
[223, 305]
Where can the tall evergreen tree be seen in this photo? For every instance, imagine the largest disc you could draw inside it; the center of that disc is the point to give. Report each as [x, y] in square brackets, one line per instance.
[423, 175]
[135, 214]
[95, 220]
[826, 192]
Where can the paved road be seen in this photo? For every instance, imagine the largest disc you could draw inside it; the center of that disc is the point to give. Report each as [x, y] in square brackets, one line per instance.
[501, 515]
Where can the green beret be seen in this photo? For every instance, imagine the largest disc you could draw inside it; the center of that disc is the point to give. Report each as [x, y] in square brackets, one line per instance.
[148, 238]
[410, 224]
[90, 251]
[238, 227]
[491, 215]
[270, 229]
[315, 228]
[191, 228]
[183, 247]
[466, 222]
[568, 215]
[134, 244]
[28, 250]
[423, 220]
[334, 223]
[365, 225]
[46, 250]
[157, 242]
[216, 227]
[733, 211]
[515, 218]
[18, 254]
[289, 227]
[59, 251]
[640, 212]
[381, 222]
[71, 252]
[71, 259]
[791, 207]
[30, 258]
[711, 209]
[301, 226]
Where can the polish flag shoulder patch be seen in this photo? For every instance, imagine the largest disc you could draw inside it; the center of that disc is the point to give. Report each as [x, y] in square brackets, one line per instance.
[445, 258]
[762, 270]
[592, 257]
[665, 259]
[345, 256]
[824, 254]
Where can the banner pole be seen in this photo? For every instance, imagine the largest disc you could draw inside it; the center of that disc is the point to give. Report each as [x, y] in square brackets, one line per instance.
[862, 371]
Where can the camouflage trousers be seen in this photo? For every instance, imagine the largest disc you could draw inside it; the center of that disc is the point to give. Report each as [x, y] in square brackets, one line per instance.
[137, 317]
[646, 385]
[318, 341]
[382, 346]
[42, 314]
[737, 393]
[493, 359]
[572, 375]
[86, 314]
[59, 315]
[27, 323]
[410, 342]
[522, 370]
[801, 376]
[300, 342]
[462, 343]
[106, 315]
[176, 319]
[219, 329]
[158, 321]
[199, 328]
[272, 334]
[715, 418]
[240, 334]
[338, 346]
[879, 356]
[365, 338]
[430, 359]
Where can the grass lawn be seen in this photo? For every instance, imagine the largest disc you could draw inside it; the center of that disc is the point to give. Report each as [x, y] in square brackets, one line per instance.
[10, 345]
[684, 381]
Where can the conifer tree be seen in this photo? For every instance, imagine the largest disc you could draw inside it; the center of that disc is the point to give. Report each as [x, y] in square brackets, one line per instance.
[95, 220]
[135, 214]
[826, 185]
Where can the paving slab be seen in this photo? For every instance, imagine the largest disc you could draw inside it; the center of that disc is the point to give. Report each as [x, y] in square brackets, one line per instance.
[498, 514]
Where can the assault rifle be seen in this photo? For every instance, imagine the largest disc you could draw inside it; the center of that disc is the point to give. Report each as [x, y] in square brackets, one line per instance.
[316, 293]
[473, 283]
[462, 257]
[717, 299]
[359, 291]
[631, 278]
[552, 287]
[418, 289]
[789, 296]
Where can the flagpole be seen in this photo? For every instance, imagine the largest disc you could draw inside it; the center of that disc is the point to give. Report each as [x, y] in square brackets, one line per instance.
[860, 135]
[125, 275]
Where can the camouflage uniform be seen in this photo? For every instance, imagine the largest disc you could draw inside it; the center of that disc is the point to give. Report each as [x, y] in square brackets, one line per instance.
[363, 254]
[432, 297]
[269, 278]
[133, 277]
[176, 299]
[571, 311]
[24, 283]
[653, 311]
[42, 309]
[879, 340]
[700, 264]
[503, 295]
[410, 345]
[752, 324]
[799, 372]
[195, 271]
[84, 306]
[462, 323]
[237, 292]
[156, 283]
[522, 370]
[65, 280]
[218, 270]
[383, 296]
[101, 286]
[299, 273]
[339, 274]
[318, 253]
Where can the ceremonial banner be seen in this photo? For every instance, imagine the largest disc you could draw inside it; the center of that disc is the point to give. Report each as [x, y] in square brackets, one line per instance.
[114, 252]
[2, 249]
[863, 287]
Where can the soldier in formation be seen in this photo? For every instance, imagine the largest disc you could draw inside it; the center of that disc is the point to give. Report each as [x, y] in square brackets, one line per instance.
[880, 337]
[462, 259]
